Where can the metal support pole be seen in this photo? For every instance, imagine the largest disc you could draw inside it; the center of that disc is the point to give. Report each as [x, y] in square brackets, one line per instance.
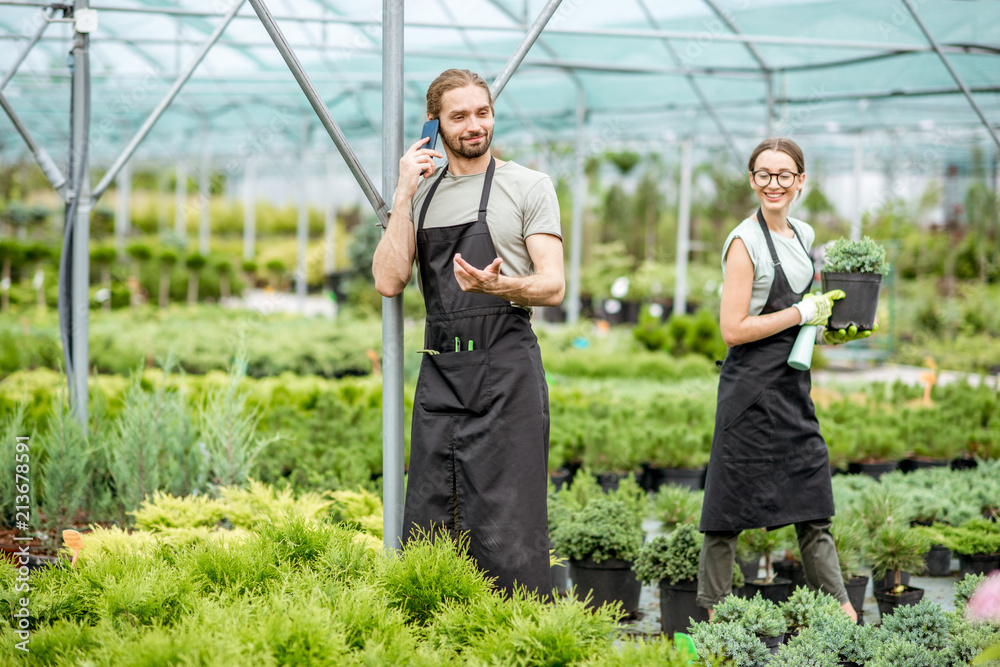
[80, 285]
[249, 209]
[522, 50]
[579, 204]
[49, 168]
[953, 73]
[204, 195]
[858, 170]
[329, 124]
[392, 309]
[302, 227]
[123, 219]
[25, 51]
[683, 229]
[180, 201]
[165, 102]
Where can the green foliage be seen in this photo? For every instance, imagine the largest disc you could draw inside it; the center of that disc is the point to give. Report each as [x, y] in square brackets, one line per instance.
[431, 572]
[867, 641]
[896, 548]
[924, 624]
[976, 536]
[676, 505]
[848, 537]
[64, 475]
[756, 615]
[883, 505]
[140, 252]
[670, 558]
[229, 430]
[900, 652]
[805, 608]
[599, 532]
[728, 641]
[762, 541]
[14, 426]
[967, 640]
[832, 633]
[864, 256]
[641, 652]
[162, 511]
[965, 587]
[803, 654]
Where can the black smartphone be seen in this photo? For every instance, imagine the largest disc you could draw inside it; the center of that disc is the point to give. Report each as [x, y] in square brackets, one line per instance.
[431, 130]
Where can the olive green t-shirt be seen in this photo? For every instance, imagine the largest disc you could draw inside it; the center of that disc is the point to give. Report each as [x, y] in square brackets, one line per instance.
[522, 202]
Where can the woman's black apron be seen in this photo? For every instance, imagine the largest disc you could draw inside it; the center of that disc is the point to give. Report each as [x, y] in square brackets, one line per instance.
[769, 465]
[480, 438]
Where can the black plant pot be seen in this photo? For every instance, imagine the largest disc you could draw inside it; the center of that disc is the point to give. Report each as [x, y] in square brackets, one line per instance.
[678, 607]
[977, 564]
[889, 601]
[859, 305]
[889, 582]
[773, 644]
[750, 569]
[560, 478]
[856, 592]
[790, 569]
[686, 477]
[605, 582]
[909, 465]
[963, 463]
[651, 478]
[938, 561]
[609, 480]
[777, 591]
[874, 470]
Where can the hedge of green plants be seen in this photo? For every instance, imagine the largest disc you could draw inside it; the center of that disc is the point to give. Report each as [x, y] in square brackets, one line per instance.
[289, 585]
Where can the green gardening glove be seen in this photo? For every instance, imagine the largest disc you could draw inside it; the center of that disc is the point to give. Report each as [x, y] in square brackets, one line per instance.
[815, 308]
[839, 336]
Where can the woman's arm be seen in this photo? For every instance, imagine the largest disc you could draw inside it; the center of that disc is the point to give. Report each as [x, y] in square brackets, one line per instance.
[737, 326]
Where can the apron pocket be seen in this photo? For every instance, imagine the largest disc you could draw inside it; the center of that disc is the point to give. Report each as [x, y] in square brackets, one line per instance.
[455, 383]
[750, 436]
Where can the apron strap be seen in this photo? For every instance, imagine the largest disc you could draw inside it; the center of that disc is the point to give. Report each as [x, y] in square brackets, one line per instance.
[775, 262]
[483, 200]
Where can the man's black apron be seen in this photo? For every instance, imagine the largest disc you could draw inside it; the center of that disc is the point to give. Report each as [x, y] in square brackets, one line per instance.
[480, 438]
[769, 465]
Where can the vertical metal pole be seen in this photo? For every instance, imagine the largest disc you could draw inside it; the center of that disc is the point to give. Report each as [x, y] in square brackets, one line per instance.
[858, 166]
[204, 194]
[683, 230]
[123, 219]
[180, 201]
[80, 286]
[579, 204]
[249, 209]
[302, 229]
[392, 309]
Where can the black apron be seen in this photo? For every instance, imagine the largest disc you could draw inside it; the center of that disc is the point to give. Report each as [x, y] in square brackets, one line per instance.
[480, 434]
[769, 465]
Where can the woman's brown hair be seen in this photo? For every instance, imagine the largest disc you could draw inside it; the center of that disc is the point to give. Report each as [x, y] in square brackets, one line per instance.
[778, 145]
[449, 80]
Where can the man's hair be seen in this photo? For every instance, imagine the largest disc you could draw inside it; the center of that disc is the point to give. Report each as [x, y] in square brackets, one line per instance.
[779, 145]
[449, 80]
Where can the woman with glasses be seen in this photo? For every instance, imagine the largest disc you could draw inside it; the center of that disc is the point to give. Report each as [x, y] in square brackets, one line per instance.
[769, 466]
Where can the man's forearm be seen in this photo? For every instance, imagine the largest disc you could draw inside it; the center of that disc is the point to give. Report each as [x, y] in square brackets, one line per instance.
[534, 290]
[393, 259]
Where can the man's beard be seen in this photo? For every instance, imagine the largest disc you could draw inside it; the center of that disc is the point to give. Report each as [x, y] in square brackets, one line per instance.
[459, 148]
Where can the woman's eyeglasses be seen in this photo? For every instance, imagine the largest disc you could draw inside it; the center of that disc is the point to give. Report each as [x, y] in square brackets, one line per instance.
[763, 178]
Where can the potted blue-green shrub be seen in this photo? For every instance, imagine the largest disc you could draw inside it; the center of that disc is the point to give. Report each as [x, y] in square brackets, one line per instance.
[894, 548]
[602, 541]
[856, 267]
[758, 617]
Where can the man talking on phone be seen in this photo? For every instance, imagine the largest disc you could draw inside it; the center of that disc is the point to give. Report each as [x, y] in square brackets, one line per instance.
[486, 238]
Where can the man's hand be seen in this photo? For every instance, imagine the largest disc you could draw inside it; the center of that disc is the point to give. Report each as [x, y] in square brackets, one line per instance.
[471, 279]
[839, 336]
[815, 308]
[415, 160]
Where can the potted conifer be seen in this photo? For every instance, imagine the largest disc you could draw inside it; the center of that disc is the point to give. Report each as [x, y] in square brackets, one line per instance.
[894, 548]
[776, 589]
[856, 267]
[758, 617]
[849, 536]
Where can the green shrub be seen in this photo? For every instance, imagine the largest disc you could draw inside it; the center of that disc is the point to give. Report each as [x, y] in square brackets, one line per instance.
[897, 548]
[600, 531]
[867, 641]
[64, 473]
[757, 616]
[965, 587]
[676, 505]
[805, 608]
[899, 652]
[670, 558]
[863, 256]
[803, 654]
[730, 642]
[924, 623]
[11, 484]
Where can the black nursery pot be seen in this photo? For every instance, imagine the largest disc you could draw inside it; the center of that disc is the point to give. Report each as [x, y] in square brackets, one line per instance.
[777, 591]
[790, 569]
[608, 580]
[889, 601]
[856, 592]
[859, 305]
[977, 564]
[678, 606]
[938, 561]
